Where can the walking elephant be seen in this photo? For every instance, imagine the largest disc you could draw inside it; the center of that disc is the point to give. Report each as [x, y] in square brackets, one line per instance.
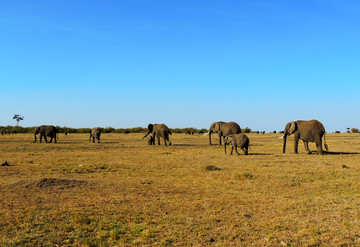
[308, 131]
[223, 129]
[95, 133]
[237, 141]
[46, 131]
[159, 130]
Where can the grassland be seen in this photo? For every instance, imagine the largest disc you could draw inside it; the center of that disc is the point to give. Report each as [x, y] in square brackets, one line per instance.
[123, 192]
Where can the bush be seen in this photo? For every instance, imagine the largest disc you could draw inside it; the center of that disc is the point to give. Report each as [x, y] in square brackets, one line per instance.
[354, 130]
[246, 130]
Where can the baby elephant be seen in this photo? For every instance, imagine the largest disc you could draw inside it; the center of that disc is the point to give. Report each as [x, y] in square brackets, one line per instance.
[151, 140]
[237, 140]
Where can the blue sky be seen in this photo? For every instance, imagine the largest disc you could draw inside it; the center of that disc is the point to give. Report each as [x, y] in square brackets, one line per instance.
[184, 63]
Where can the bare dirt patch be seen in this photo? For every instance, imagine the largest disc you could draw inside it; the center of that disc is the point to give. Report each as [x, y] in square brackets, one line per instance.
[49, 183]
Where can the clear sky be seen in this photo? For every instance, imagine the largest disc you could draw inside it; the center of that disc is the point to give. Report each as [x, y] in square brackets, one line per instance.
[127, 63]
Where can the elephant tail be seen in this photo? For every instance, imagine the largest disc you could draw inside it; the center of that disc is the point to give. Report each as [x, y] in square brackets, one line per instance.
[325, 145]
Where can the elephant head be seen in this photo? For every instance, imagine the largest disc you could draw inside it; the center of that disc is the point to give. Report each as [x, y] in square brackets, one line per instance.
[214, 128]
[290, 128]
[227, 141]
[150, 130]
[36, 131]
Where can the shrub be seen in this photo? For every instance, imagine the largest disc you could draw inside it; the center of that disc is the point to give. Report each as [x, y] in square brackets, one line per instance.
[212, 168]
[354, 130]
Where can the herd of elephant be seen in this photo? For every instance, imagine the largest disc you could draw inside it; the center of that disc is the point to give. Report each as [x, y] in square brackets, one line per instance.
[229, 132]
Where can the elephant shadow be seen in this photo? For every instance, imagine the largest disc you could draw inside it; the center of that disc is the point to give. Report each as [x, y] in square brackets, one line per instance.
[255, 154]
[184, 145]
[340, 153]
[335, 153]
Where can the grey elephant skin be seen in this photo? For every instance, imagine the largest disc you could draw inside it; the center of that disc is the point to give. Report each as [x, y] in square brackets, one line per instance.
[237, 141]
[308, 131]
[223, 129]
[95, 133]
[151, 140]
[46, 131]
[159, 130]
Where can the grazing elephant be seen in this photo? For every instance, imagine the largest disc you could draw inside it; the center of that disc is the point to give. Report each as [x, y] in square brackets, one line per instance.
[237, 140]
[126, 132]
[95, 133]
[223, 129]
[151, 140]
[159, 130]
[187, 132]
[201, 132]
[46, 131]
[308, 131]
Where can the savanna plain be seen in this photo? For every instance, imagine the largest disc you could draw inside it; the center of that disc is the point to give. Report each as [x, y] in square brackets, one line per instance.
[123, 192]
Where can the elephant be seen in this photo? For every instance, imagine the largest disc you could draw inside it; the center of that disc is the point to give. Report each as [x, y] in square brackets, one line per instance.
[95, 133]
[201, 132]
[126, 132]
[308, 131]
[187, 132]
[46, 131]
[237, 140]
[159, 130]
[223, 129]
[151, 140]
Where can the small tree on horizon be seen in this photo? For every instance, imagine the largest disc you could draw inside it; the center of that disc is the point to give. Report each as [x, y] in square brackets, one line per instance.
[18, 118]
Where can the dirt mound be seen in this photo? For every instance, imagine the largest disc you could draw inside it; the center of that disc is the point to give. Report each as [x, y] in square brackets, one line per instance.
[56, 182]
[45, 183]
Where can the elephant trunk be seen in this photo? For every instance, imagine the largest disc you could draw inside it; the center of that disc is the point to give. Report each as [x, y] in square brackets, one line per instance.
[34, 138]
[146, 134]
[210, 137]
[284, 147]
[225, 147]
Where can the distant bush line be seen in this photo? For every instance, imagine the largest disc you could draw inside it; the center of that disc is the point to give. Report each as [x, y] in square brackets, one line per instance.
[18, 129]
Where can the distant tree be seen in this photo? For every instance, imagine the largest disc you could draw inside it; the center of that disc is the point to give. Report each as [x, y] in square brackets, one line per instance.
[354, 130]
[18, 118]
[246, 130]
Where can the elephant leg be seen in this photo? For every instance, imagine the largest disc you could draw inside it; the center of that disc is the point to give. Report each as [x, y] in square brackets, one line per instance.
[45, 139]
[220, 135]
[158, 138]
[51, 138]
[319, 146]
[165, 141]
[306, 145]
[169, 141]
[232, 149]
[237, 152]
[93, 139]
[40, 137]
[296, 143]
[55, 139]
[245, 149]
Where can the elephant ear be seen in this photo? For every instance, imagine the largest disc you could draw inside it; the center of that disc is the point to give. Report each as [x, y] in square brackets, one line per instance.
[293, 127]
[216, 127]
[150, 127]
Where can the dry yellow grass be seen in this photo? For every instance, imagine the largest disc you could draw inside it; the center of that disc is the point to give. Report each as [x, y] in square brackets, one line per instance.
[123, 192]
